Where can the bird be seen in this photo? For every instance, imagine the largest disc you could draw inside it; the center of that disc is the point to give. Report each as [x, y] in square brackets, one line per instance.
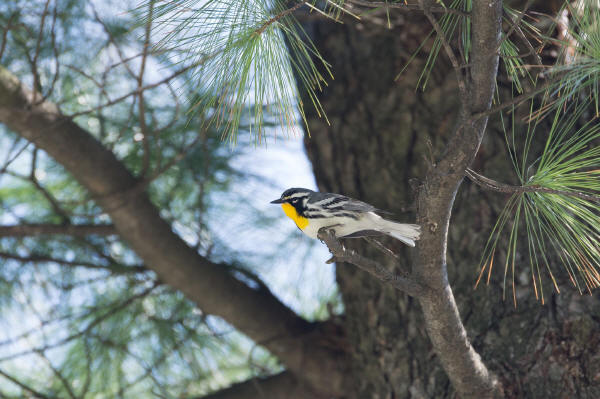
[347, 217]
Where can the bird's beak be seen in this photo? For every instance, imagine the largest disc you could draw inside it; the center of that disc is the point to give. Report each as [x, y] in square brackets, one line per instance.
[277, 201]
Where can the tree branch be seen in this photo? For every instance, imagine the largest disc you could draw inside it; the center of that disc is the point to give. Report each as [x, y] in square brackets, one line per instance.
[257, 313]
[462, 86]
[513, 101]
[139, 90]
[22, 385]
[341, 254]
[282, 385]
[75, 230]
[407, 7]
[515, 25]
[113, 267]
[468, 374]
[111, 310]
[277, 17]
[493, 185]
[382, 248]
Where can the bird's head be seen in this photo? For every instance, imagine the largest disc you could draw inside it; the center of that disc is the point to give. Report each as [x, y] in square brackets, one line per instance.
[293, 196]
[293, 202]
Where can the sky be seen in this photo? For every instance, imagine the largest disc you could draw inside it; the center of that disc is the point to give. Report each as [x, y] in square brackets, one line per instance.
[290, 263]
[298, 274]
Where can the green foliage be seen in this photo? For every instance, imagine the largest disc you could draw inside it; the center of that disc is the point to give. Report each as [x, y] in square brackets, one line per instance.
[509, 51]
[248, 56]
[84, 311]
[456, 28]
[449, 24]
[578, 69]
[555, 213]
[91, 318]
[558, 208]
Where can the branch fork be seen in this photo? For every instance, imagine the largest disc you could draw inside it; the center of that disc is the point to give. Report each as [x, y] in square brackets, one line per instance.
[341, 254]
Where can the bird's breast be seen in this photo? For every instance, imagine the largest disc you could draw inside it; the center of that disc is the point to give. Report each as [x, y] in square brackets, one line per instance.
[291, 212]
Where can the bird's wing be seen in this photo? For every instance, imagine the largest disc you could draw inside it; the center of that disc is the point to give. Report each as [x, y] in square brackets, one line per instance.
[338, 202]
[359, 206]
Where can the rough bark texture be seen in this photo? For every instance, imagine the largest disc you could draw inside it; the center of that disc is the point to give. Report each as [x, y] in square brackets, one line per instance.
[463, 364]
[282, 385]
[376, 144]
[373, 147]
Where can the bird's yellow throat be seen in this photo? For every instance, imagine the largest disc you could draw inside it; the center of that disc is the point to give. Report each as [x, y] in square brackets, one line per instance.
[290, 211]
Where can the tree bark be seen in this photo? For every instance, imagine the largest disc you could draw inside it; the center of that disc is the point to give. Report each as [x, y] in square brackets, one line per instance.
[463, 364]
[382, 136]
[282, 385]
[380, 130]
[74, 230]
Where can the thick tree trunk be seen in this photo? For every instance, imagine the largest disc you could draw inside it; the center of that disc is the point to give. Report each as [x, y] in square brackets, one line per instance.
[382, 135]
[379, 130]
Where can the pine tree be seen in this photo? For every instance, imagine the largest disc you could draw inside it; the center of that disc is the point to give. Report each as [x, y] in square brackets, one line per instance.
[112, 173]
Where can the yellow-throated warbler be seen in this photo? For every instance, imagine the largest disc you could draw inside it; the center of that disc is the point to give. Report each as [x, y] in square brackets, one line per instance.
[348, 217]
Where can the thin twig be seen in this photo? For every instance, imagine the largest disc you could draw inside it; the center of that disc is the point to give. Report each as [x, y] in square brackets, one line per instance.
[515, 27]
[277, 17]
[515, 24]
[11, 157]
[513, 101]
[408, 7]
[144, 88]
[382, 248]
[462, 86]
[118, 307]
[5, 30]
[531, 50]
[58, 375]
[23, 386]
[341, 254]
[171, 162]
[75, 230]
[113, 41]
[493, 185]
[175, 117]
[114, 268]
[55, 51]
[141, 101]
[54, 203]
[99, 85]
[36, 76]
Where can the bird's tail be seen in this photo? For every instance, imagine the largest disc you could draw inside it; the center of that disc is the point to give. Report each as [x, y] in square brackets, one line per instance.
[407, 233]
